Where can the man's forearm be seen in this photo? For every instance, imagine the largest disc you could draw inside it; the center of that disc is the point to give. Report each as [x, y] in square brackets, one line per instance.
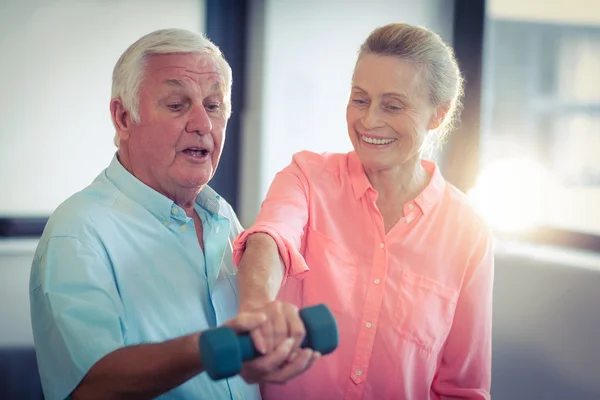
[142, 371]
[260, 272]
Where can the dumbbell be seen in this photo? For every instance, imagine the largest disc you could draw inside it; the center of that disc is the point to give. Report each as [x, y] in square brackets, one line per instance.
[223, 351]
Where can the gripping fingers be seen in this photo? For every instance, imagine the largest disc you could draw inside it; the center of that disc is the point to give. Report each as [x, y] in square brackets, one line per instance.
[280, 326]
[266, 330]
[258, 338]
[303, 361]
[295, 325]
[273, 360]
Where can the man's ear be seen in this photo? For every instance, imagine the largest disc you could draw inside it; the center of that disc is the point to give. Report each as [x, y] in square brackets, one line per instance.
[121, 118]
[438, 117]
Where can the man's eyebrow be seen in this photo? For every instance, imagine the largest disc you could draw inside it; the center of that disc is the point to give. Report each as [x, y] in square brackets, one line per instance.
[174, 82]
[218, 87]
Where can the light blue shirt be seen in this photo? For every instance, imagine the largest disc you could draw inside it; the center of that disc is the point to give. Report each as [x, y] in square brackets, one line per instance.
[120, 264]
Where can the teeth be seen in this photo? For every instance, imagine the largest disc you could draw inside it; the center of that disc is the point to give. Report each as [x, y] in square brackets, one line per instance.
[196, 152]
[376, 141]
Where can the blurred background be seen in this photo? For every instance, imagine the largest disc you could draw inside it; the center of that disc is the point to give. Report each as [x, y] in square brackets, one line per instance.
[527, 151]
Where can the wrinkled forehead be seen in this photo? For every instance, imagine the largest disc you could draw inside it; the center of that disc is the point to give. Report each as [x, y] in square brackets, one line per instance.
[382, 73]
[191, 67]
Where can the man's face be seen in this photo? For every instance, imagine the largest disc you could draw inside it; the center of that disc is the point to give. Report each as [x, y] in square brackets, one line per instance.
[176, 146]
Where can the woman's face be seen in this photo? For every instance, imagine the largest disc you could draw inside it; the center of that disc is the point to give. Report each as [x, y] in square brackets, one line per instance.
[389, 113]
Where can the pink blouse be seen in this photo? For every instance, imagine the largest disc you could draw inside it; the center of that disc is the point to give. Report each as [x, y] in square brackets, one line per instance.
[413, 306]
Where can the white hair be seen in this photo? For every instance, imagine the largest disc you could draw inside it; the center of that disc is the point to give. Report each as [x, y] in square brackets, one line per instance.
[129, 69]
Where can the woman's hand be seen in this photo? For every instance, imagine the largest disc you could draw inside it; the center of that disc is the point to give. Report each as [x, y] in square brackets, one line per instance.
[278, 338]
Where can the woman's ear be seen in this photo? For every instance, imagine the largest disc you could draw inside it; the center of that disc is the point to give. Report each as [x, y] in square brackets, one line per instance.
[121, 118]
[438, 117]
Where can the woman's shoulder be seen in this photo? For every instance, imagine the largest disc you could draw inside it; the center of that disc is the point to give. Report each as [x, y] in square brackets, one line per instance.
[312, 163]
[461, 206]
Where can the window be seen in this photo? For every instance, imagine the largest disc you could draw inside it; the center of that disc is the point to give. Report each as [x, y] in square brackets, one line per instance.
[540, 143]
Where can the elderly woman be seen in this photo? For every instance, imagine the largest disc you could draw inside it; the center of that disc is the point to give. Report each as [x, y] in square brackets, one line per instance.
[378, 235]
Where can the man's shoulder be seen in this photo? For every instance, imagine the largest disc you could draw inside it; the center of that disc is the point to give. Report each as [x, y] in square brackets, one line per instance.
[83, 208]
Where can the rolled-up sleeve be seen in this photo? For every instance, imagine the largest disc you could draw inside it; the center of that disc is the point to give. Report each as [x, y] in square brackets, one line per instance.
[465, 369]
[76, 313]
[283, 216]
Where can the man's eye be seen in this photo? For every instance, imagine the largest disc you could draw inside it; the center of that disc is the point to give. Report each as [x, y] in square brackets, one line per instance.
[359, 102]
[213, 107]
[175, 106]
[394, 108]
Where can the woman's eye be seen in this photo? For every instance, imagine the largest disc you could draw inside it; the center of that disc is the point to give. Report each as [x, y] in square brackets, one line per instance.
[359, 102]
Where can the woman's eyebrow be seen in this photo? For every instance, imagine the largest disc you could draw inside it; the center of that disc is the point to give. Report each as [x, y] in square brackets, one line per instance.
[401, 96]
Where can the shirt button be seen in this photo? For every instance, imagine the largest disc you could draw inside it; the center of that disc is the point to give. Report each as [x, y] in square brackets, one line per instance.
[166, 223]
[183, 228]
[174, 210]
[408, 219]
[368, 324]
[411, 206]
[381, 245]
[376, 281]
[359, 372]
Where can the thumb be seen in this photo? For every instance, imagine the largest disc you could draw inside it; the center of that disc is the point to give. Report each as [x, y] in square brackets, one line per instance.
[246, 321]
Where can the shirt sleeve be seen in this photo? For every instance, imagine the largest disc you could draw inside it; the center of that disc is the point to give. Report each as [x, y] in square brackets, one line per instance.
[283, 216]
[76, 312]
[465, 369]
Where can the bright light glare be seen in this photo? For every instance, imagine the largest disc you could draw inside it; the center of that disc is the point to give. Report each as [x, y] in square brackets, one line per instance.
[512, 194]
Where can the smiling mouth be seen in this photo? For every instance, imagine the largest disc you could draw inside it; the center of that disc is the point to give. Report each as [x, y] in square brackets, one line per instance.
[376, 141]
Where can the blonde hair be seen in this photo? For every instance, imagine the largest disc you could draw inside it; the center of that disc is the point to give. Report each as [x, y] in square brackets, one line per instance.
[422, 46]
[129, 70]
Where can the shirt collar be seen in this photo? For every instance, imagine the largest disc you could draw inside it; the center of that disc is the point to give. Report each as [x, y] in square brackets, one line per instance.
[434, 191]
[209, 199]
[425, 200]
[156, 203]
[358, 178]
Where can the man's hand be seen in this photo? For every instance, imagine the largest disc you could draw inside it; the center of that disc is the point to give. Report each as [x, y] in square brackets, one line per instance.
[278, 338]
[279, 366]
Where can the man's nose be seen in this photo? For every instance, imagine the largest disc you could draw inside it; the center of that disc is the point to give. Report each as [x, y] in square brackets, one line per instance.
[199, 121]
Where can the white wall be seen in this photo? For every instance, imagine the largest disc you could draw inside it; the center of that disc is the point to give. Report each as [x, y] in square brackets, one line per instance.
[302, 53]
[56, 60]
[55, 75]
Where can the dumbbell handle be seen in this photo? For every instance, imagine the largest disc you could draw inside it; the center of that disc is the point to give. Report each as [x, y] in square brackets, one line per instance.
[223, 351]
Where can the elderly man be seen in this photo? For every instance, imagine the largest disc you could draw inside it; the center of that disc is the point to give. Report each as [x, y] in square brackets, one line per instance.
[133, 268]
